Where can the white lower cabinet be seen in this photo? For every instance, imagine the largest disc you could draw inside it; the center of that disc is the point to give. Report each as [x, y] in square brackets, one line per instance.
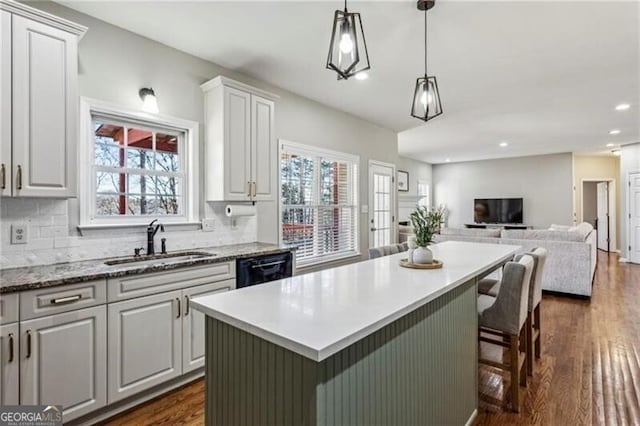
[9, 364]
[193, 338]
[155, 338]
[145, 344]
[63, 361]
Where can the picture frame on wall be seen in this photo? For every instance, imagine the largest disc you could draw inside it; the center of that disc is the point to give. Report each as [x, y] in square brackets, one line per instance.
[403, 181]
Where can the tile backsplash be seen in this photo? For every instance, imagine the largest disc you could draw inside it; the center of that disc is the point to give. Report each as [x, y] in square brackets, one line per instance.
[51, 238]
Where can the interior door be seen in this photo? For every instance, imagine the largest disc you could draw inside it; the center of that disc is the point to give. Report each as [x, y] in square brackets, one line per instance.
[381, 204]
[602, 201]
[634, 217]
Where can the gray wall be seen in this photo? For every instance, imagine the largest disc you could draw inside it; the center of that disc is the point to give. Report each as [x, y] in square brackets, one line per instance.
[418, 170]
[590, 202]
[115, 64]
[545, 183]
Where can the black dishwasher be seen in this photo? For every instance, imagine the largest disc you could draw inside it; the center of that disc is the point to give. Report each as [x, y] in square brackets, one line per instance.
[261, 269]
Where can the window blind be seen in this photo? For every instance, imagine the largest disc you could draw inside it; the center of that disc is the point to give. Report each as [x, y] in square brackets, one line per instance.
[319, 192]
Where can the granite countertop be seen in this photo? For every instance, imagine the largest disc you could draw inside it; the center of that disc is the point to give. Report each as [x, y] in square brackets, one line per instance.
[29, 278]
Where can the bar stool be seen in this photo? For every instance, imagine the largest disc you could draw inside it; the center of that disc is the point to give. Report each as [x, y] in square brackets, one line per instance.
[505, 317]
[491, 287]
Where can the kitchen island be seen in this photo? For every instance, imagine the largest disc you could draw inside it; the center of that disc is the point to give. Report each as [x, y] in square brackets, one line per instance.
[362, 344]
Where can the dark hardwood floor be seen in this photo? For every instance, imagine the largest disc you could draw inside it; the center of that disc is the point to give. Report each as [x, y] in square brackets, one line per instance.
[589, 372]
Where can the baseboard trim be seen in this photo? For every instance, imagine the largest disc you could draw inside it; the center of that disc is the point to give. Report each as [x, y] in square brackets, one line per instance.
[120, 407]
[623, 260]
[472, 418]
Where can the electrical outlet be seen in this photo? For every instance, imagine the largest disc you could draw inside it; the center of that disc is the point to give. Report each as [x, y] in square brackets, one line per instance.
[19, 234]
[208, 225]
[364, 209]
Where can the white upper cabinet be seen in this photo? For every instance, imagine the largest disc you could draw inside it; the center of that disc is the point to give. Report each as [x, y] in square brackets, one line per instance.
[240, 145]
[5, 99]
[40, 131]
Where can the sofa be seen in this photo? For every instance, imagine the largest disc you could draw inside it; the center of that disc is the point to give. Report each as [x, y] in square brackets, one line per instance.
[571, 259]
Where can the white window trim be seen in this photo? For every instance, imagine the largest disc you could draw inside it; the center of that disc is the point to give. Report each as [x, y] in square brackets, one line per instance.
[315, 151]
[89, 107]
[428, 194]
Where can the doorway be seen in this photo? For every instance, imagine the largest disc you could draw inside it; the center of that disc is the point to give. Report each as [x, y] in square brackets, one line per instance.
[381, 204]
[599, 209]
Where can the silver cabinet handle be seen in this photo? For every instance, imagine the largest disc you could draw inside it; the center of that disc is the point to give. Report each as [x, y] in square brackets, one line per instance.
[178, 300]
[19, 178]
[28, 344]
[248, 188]
[186, 306]
[68, 299]
[10, 347]
[255, 190]
[3, 172]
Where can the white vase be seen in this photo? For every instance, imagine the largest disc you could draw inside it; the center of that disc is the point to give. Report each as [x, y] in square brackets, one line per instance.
[411, 242]
[422, 255]
[410, 254]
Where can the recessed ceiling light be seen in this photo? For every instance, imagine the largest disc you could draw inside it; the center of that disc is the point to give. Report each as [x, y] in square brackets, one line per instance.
[614, 132]
[504, 144]
[362, 75]
[448, 160]
[609, 145]
[622, 107]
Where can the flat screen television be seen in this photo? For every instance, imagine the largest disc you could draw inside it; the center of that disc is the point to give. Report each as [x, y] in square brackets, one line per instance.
[497, 210]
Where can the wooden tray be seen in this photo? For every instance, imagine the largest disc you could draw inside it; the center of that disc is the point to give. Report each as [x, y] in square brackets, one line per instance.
[437, 264]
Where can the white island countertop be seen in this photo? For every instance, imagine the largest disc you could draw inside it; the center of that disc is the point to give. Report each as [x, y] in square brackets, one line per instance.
[320, 313]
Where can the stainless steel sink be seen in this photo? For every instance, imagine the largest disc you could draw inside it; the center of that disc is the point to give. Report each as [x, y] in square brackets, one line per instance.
[160, 258]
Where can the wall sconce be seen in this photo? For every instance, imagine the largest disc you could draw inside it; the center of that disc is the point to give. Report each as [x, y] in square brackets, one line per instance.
[149, 101]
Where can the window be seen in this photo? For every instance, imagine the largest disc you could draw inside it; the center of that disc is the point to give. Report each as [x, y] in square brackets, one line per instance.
[140, 167]
[319, 195]
[423, 194]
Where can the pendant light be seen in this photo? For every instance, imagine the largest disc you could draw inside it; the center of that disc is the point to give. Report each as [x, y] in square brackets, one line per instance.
[426, 98]
[348, 54]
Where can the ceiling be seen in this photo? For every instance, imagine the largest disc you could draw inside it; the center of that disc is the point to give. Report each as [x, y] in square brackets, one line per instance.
[542, 76]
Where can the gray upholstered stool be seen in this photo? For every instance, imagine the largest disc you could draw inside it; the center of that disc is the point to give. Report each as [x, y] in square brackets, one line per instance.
[387, 250]
[504, 318]
[491, 287]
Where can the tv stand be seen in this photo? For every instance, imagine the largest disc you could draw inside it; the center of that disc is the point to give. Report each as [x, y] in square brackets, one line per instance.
[496, 226]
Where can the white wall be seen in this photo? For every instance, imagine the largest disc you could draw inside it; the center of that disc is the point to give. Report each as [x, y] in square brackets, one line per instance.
[114, 64]
[545, 183]
[629, 162]
[418, 171]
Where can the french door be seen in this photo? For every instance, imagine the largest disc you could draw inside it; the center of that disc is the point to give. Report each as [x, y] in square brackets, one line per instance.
[382, 209]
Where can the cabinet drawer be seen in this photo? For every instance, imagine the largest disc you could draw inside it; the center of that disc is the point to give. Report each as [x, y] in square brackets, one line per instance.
[55, 300]
[8, 308]
[122, 288]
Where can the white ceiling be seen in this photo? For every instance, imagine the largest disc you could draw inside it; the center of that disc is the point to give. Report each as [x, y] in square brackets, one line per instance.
[544, 76]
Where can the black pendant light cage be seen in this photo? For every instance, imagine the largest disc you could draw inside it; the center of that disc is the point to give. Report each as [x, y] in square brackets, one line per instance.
[348, 54]
[426, 99]
[426, 96]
